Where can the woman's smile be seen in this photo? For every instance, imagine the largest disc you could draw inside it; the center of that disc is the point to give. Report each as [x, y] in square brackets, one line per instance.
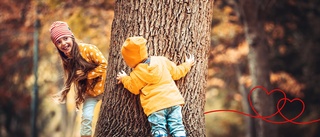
[65, 44]
[66, 48]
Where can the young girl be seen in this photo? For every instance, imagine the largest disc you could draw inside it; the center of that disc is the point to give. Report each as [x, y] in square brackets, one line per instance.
[153, 79]
[85, 67]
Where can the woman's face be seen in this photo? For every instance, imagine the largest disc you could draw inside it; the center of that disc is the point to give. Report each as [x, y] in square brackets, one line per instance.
[65, 45]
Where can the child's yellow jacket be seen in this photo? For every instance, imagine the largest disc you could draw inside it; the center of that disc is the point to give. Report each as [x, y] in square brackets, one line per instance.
[155, 83]
[92, 54]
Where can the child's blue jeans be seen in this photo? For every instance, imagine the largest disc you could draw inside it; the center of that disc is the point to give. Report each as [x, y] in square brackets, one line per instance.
[87, 114]
[172, 117]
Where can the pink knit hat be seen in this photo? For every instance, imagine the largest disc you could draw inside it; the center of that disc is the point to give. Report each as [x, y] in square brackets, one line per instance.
[58, 30]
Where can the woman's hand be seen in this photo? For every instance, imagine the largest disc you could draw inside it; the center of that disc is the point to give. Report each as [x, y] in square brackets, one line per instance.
[80, 72]
[57, 98]
[120, 76]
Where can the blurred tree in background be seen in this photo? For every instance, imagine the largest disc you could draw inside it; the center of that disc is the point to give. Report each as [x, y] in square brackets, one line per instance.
[291, 32]
[292, 35]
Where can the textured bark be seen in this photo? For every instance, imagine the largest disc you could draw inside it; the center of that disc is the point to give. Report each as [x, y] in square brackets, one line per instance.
[173, 28]
[253, 13]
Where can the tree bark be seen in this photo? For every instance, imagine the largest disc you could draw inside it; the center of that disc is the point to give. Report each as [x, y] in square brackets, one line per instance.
[173, 28]
[253, 13]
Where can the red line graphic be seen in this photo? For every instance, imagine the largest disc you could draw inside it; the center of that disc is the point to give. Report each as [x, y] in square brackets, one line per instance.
[284, 99]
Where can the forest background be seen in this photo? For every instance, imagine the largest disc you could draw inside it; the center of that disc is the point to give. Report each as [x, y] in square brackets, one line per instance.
[292, 29]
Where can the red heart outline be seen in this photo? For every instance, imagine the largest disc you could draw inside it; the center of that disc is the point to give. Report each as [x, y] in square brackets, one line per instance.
[265, 118]
[295, 99]
[268, 93]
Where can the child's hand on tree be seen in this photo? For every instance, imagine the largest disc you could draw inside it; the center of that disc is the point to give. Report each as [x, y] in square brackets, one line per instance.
[121, 75]
[190, 60]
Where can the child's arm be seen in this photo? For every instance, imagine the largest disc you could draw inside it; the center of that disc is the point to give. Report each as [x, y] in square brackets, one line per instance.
[97, 57]
[132, 82]
[181, 70]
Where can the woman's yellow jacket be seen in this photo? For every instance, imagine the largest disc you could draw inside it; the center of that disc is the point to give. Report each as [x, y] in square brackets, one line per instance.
[92, 54]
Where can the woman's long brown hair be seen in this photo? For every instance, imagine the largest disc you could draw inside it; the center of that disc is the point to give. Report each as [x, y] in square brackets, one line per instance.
[70, 66]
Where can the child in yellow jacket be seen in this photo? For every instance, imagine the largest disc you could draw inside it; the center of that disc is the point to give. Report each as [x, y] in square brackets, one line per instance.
[153, 79]
[85, 67]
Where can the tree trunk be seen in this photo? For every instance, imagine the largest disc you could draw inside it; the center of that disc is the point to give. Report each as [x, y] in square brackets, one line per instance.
[253, 13]
[249, 121]
[173, 29]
